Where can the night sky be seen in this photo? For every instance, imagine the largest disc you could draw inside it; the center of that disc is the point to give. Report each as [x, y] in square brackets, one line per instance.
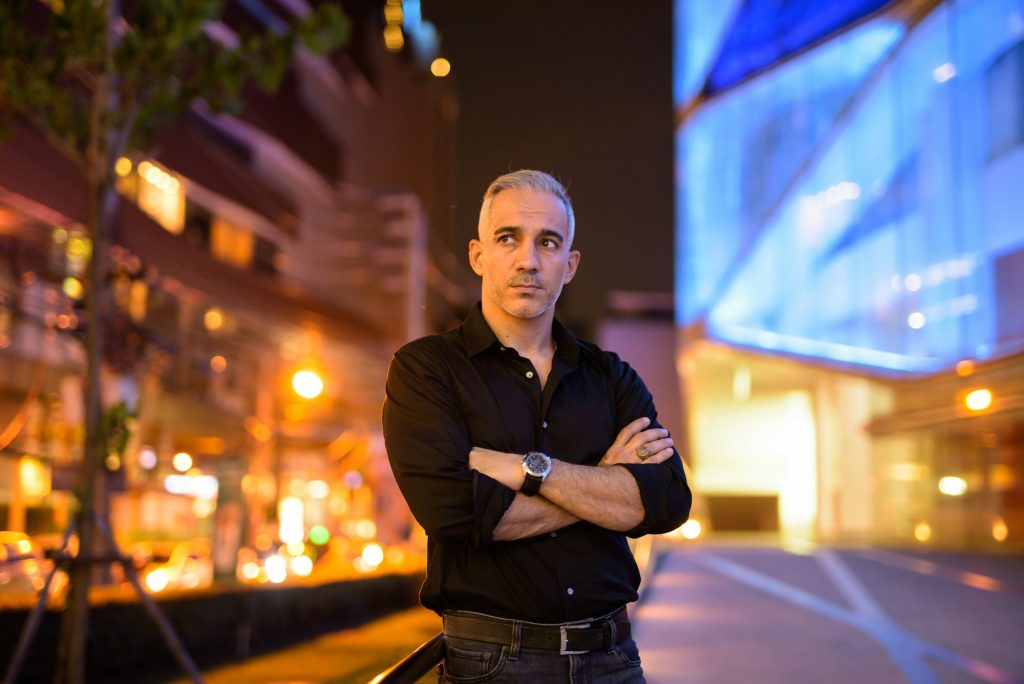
[582, 90]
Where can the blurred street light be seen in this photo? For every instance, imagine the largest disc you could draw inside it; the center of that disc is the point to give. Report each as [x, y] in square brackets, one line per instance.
[440, 67]
[307, 384]
[978, 400]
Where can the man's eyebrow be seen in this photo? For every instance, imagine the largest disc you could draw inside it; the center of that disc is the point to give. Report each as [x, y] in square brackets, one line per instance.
[516, 230]
[548, 232]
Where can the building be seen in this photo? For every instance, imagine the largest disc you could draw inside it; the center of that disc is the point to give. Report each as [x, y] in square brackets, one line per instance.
[850, 252]
[292, 238]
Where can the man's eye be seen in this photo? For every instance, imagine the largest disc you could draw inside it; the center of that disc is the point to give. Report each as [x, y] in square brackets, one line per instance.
[549, 244]
[504, 238]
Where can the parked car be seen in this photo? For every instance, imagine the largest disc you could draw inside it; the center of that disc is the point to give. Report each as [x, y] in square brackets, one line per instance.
[23, 567]
[190, 566]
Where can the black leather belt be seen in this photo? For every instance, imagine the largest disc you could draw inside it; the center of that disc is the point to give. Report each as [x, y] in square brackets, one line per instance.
[568, 639]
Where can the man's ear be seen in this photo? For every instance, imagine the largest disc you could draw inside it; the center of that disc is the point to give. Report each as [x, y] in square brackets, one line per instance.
[574, 263]
[476, 256]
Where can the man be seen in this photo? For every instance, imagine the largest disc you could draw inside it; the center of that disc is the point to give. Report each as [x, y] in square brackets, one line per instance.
[528, 456]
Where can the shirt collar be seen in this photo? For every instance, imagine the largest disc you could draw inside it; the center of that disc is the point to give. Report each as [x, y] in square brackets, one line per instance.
[478, 336]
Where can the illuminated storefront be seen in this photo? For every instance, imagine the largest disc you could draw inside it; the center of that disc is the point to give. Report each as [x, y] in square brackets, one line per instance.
[850, 266]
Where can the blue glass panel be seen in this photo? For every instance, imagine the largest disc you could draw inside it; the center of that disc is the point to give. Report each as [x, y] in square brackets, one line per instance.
[897, 241]
[738, 155]
[700, 27]
[766, 31]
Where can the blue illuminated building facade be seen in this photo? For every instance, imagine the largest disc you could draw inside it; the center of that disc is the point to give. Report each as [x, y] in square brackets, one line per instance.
[850, 225]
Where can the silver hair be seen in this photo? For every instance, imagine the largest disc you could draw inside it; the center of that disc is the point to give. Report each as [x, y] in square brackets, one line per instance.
[526, 179]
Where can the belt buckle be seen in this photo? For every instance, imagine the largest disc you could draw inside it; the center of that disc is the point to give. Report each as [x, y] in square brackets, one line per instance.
[562, 629]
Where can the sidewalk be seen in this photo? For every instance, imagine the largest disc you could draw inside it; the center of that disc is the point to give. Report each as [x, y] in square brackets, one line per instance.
[718, 615]
[351, 656]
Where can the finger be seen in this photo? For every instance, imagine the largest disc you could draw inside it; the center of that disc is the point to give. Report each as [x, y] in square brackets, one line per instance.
[647, 436]
[631, 430]
[659, 457]
[659, 444]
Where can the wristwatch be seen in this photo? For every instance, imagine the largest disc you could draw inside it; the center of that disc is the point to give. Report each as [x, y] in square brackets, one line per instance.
[537, 466]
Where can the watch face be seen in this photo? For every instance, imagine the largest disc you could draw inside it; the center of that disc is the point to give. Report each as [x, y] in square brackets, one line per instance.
[537, 464]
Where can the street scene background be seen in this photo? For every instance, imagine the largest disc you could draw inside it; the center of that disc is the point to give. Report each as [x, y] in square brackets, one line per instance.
[800, 222]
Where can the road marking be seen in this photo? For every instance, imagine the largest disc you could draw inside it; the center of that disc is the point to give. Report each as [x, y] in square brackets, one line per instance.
[907, 649]
[971, 579]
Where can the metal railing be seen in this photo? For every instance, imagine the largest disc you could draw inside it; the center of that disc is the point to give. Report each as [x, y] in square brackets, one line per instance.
[415, 665]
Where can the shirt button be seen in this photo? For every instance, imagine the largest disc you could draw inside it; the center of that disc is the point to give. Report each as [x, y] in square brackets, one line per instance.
[502, 349]
[554, 534]
[529, 374]
[570, 591]
[544, 424]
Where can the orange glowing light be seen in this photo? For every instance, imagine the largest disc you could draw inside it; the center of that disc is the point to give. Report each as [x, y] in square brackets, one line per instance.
[440, 67]
[978, 400]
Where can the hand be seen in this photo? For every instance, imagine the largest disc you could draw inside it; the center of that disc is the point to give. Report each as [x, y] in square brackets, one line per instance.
[623, 449]
[504, 467]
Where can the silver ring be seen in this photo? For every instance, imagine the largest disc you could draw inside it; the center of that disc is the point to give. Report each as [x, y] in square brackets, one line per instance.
[643, 453]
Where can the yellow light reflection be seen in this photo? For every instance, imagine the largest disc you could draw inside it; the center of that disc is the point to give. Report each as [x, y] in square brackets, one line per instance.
[922, 531]
[964, 368]
[291, 514]
[182, 461]
[318, 489]
[73, 288]
[157, 580]
[123, 167]
[250, 570]
[307, 384]
[302, 566]
[34, 477]
[440, 67]
[213, 319]
[999, 529]
[373, 554]
[691, 529]
[367, 529]
[978, 400]
[218, 364]
[952, 485]
[393, 38]
[277, 569]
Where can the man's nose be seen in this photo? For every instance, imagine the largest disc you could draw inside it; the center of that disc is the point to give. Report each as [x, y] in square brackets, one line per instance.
[527, 257]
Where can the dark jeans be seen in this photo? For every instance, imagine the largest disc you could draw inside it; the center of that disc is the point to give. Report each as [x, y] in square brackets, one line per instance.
[468, 661]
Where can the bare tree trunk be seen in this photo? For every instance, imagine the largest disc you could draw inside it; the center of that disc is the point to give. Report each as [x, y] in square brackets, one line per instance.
[71, 662]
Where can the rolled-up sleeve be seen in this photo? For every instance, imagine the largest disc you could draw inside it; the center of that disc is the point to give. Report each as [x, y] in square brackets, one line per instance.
[428, 446]
[664, 491]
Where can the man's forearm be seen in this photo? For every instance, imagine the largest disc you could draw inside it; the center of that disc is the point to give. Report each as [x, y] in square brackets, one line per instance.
[529, 516]
[607, 497]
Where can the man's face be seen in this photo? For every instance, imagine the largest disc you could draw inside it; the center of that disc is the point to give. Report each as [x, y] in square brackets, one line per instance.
[523, 253]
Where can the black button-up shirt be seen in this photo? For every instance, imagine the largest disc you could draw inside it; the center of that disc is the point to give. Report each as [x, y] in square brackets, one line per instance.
[450, 392]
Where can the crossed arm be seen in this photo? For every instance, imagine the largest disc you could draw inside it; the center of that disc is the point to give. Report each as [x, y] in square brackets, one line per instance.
[476, 502]
[605, 496]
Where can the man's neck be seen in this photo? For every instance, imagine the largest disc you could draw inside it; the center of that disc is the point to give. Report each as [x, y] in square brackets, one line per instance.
[531, 337]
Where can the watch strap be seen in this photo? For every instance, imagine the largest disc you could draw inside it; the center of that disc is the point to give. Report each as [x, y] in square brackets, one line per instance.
[531, 485]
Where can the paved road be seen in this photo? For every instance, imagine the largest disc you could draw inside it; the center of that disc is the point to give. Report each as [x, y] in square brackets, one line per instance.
[719, 614]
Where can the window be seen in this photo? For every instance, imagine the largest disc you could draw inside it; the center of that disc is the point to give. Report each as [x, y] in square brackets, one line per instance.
[1004, 86]
[230, 243]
